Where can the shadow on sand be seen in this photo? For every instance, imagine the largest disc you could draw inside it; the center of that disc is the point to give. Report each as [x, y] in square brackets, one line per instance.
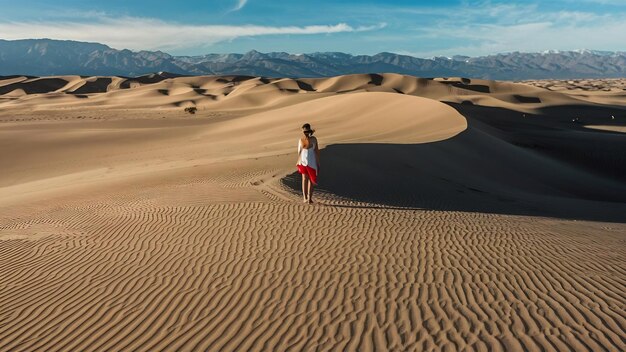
[504, 163]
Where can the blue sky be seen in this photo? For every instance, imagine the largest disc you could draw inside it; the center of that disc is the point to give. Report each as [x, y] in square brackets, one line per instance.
[420, 28]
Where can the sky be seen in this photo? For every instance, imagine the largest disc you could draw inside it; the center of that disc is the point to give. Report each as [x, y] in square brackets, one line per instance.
[418, 28]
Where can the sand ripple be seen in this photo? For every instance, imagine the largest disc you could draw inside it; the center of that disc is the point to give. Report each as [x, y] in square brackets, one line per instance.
[152, 229]
[226, 277]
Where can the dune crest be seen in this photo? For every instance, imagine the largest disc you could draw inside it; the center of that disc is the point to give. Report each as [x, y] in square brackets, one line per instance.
[451, 214]
[246, 92]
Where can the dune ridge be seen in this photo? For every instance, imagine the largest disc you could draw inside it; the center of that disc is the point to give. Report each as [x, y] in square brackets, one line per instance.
[452, 214]
[247, 92]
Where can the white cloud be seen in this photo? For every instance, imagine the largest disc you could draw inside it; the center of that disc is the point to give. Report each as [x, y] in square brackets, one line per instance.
[528, 37]
[240, 4]
[489, 28]
[600, 2]
[146, 33]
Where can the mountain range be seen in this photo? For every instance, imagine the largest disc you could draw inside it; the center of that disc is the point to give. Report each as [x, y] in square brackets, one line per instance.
[46, 57]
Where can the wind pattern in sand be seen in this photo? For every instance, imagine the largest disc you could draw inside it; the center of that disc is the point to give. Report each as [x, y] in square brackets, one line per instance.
[150, 229]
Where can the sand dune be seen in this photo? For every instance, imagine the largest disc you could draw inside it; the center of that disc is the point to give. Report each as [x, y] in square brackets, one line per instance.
[452, 214]
[243, 92]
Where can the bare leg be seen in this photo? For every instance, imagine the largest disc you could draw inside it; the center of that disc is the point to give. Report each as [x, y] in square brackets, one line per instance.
[310, 191]
[304, 188]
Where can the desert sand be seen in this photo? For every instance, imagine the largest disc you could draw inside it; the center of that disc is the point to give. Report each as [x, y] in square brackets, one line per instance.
[451, 214]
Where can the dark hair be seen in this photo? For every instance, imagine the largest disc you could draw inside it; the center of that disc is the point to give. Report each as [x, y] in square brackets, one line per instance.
[306, 129]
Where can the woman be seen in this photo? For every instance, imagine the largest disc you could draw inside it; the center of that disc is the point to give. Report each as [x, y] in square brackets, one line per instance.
[308, 162]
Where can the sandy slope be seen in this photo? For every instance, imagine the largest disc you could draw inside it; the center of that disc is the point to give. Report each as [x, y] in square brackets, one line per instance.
[451, 214]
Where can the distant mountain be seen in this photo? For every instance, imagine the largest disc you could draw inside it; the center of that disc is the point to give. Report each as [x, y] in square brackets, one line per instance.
[46, 57]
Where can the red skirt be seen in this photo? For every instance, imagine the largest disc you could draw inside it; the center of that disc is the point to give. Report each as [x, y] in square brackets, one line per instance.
[307, 170]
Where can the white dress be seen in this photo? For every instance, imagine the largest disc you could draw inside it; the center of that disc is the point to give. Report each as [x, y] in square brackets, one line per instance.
[307, 155]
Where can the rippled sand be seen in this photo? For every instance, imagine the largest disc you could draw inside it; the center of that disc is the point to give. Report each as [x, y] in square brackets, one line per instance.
[452, 214]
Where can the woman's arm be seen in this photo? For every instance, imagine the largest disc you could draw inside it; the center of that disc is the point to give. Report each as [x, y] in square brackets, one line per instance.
[299, 150]
[317, 155]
